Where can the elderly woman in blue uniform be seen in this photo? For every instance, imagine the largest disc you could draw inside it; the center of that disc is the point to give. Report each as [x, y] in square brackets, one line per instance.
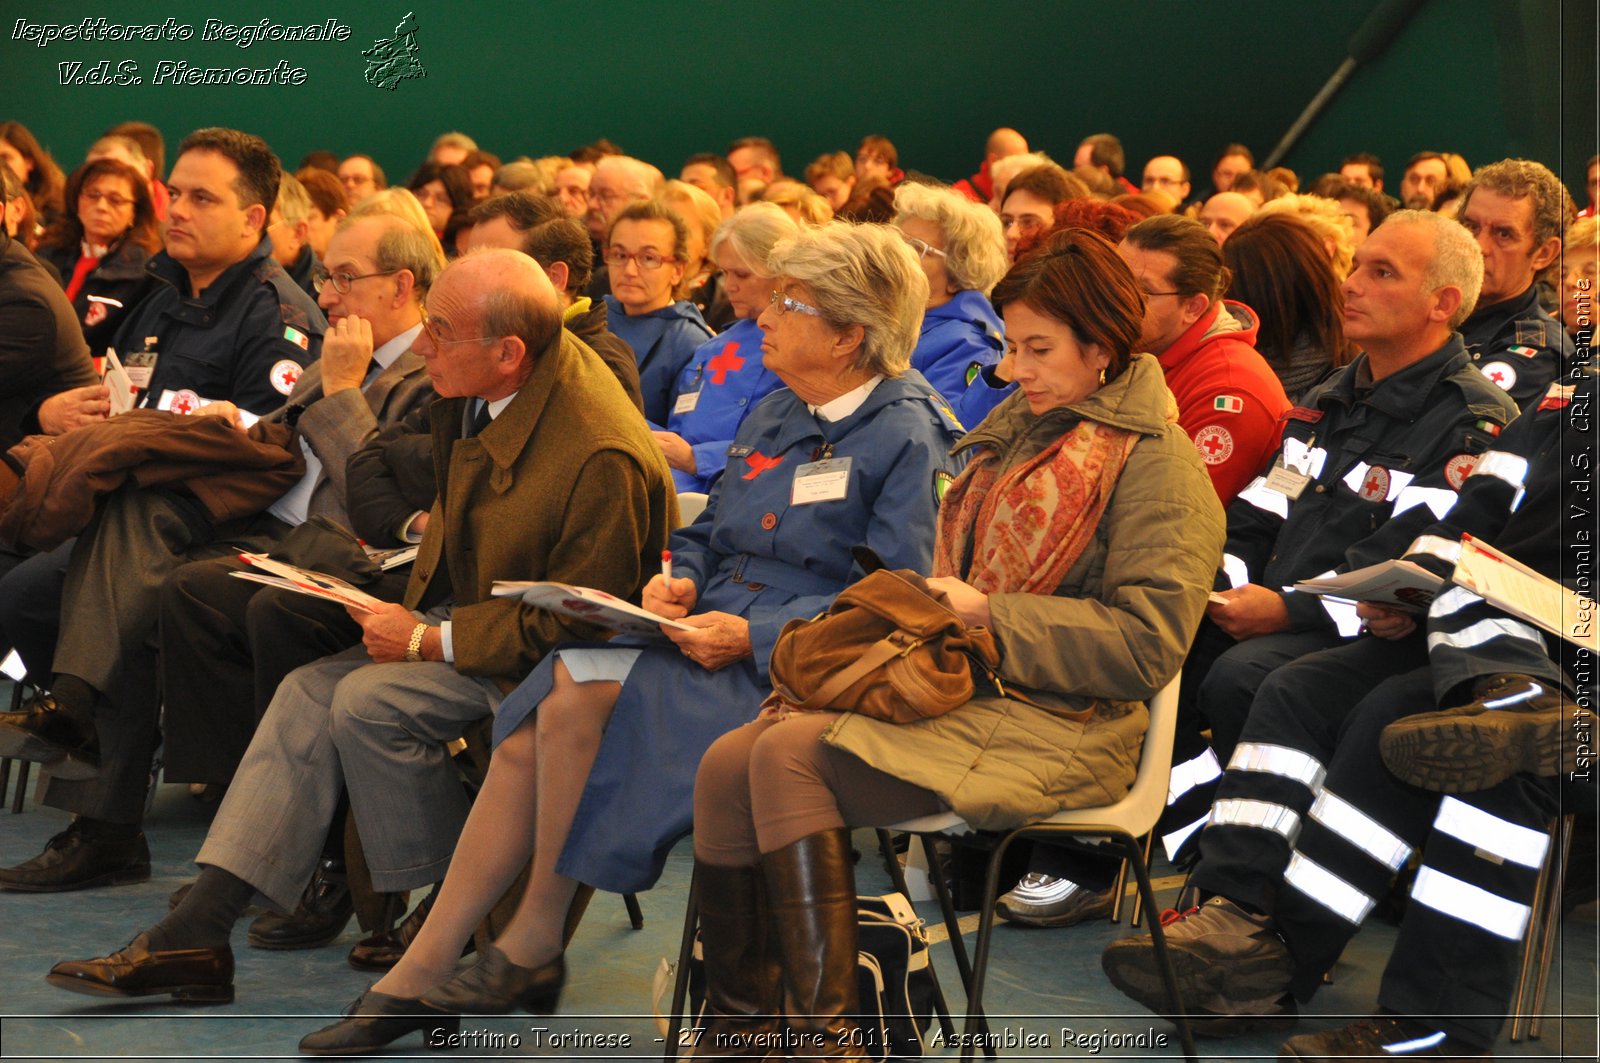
[726, 378]
[647, 250]
[963, 252]
[593, 770]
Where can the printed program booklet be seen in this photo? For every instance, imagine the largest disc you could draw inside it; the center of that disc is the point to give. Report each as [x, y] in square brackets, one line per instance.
[586, 603]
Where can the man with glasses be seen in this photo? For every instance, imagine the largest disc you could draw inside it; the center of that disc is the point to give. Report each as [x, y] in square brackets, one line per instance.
[368, 378]
[1517, 210]
[1167, 173]
[618, 180]
[546, 473]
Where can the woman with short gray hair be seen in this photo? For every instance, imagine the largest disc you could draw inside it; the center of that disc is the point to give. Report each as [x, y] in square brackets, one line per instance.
[963, 252]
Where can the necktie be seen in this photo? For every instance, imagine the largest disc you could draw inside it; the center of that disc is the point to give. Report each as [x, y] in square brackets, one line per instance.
[480, 420]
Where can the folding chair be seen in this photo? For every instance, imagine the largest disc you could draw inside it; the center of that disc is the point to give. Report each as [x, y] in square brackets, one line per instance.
[1546, 917]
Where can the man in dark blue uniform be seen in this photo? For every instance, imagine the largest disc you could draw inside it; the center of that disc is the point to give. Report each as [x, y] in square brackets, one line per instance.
[1309, 827]
[1517, 211]
[226, 332]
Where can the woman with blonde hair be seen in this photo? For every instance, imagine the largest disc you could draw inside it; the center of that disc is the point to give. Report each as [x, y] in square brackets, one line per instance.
[701, 284]
[801, 203]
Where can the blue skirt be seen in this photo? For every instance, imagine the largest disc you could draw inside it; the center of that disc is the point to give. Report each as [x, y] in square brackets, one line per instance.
[639, 799]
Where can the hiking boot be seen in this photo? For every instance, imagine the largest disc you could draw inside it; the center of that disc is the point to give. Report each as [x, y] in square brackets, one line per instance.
[1514, 724]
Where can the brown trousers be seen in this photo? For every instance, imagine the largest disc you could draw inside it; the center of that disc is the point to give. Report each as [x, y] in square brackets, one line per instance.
[770, 783]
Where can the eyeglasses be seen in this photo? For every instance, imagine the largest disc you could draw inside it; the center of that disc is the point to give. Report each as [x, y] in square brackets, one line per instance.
[439, 341]
[618, 259]
[922, 247]
[1152, 295]
[785, 304]
[110, 199]
[343, 279]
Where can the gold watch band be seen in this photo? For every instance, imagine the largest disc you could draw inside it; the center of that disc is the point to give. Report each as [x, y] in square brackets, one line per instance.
[414, 646]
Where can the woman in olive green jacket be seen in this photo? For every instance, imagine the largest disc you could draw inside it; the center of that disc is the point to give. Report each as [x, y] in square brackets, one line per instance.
[1085, 533]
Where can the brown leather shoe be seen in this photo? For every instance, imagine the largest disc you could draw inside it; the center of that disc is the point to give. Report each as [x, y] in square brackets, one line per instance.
[190, 976]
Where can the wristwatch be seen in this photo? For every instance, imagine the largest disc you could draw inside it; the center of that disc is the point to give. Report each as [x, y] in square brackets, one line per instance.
[414, 646]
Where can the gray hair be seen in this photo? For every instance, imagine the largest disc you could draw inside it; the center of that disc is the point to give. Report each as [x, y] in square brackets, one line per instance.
[753, 232]
[643, 180]
[1457, 259]
[861, 275]
[407, 241]
[975, 243]
[294, 205]
[1553, 210]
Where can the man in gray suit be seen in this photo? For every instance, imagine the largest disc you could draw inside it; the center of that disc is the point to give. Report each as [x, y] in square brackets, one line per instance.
[368, 377]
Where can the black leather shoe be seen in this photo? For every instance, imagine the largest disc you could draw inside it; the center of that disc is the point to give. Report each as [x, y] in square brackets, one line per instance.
[322, 914]
[79, 858]
[496, 986]
[383, 950]
[43, 734]
[375, 1020]
[190, 976]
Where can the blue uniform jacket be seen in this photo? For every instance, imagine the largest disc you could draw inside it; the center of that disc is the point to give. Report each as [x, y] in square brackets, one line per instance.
[663, 341]
[959, 339]
[726, 378]
[244, 339]
[1520, 347]
[754, 554]
[984, 393]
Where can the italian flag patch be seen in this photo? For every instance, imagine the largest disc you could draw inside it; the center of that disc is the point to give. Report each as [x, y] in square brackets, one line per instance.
[1487, 426]
[1526, 352]
[1228, 404]
[296, 337]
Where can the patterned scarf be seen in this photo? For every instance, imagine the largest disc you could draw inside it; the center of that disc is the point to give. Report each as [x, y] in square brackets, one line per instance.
[1029, 525]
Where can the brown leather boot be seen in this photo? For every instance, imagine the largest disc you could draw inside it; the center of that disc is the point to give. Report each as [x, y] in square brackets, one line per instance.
[811, 888]
[743, 982]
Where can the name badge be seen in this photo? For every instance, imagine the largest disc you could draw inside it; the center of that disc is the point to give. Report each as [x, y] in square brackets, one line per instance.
[686, 402]
[1287, 480]
[140, 366]
[821, 481]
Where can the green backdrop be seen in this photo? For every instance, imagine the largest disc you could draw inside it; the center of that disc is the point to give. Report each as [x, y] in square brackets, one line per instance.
[1486, 78]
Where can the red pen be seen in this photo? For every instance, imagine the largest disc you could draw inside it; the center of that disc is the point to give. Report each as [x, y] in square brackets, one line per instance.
[666, 567]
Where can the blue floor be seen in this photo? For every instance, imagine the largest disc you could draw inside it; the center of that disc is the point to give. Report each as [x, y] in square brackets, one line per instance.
[1042, 983]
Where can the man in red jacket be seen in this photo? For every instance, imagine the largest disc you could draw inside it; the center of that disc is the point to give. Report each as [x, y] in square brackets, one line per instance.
[1229, 400]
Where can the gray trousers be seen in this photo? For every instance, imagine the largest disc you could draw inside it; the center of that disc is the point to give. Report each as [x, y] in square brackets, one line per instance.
[380, 731]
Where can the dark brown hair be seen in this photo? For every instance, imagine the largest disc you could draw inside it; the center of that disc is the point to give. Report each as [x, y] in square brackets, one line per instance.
[1281, 271]
[45, 182]
[1077, 278]
[326, 191]
[1198, 269]
[68, 229]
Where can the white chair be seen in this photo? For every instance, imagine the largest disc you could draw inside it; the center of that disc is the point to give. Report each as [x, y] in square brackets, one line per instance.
[1122, 823]
[690, 505]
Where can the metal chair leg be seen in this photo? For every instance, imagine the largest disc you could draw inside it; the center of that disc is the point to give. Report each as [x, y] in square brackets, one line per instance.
[1519, 1014]
[1552, 921]
[1158, 939]
[17, 801]
[635, 913]
[1138, 899]
[680, 985]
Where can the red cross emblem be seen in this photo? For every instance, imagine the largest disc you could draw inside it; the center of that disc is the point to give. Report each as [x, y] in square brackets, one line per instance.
[1215, 444]
[727, 361]
[1502, 374]
[1458, 468]
[185, 402]
[284, 375]
[1375, 488]
[760, 463]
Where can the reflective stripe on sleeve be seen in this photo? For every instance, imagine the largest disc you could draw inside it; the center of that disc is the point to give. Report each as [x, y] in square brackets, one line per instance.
[1328, 889]
[1438, 499]
[1360, 830]
[1512, 468]
[1481, 632]
[1437, 546]
[1263, 815]
[1452, 601]
[1470, 904]
[1499, 837]
[1258, 494]
[1279, 760]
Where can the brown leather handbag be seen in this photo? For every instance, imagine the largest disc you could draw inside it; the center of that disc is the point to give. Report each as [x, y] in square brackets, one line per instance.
[889, 647]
